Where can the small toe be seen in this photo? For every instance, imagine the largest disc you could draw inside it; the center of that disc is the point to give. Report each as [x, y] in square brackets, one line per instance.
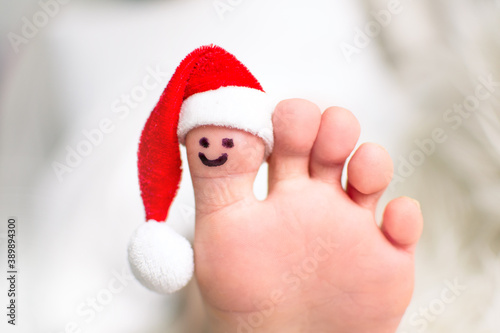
[369, 173]
[338, 133]
[403, 223]
[295, 123]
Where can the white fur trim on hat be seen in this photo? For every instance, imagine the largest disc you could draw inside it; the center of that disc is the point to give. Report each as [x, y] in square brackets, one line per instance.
[242, 108]
[160, 258]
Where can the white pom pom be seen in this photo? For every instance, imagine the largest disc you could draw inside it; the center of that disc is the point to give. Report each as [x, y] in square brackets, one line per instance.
[160, 258]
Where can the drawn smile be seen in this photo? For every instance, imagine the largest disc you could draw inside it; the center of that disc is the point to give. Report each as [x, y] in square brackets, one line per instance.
[213, 163]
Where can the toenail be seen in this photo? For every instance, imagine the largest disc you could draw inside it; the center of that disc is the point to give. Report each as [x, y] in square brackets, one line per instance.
[417, 203]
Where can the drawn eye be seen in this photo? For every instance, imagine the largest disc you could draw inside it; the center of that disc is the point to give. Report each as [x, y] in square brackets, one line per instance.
[228, 143]
[204, 142]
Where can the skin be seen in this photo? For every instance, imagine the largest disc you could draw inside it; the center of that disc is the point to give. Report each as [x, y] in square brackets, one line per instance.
[309, 258]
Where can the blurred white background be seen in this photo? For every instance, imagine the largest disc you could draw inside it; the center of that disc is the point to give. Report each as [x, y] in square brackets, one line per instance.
[68, 66]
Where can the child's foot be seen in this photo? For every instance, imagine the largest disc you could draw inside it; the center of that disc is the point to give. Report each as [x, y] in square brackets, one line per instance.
[309, 258]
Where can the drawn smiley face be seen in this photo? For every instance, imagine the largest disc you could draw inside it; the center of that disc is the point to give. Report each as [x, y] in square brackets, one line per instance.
[217, 152]
[226, 143]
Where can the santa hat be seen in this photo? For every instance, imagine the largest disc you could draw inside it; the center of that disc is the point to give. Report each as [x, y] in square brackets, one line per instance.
[210, 87]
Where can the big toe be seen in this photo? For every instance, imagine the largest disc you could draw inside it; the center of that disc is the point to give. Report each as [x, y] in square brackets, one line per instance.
[223, 163]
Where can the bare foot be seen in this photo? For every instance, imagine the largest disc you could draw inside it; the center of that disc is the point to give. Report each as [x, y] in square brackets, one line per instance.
[309, 258]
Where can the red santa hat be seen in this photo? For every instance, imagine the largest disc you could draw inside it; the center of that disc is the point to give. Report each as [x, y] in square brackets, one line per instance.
[209, 87]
